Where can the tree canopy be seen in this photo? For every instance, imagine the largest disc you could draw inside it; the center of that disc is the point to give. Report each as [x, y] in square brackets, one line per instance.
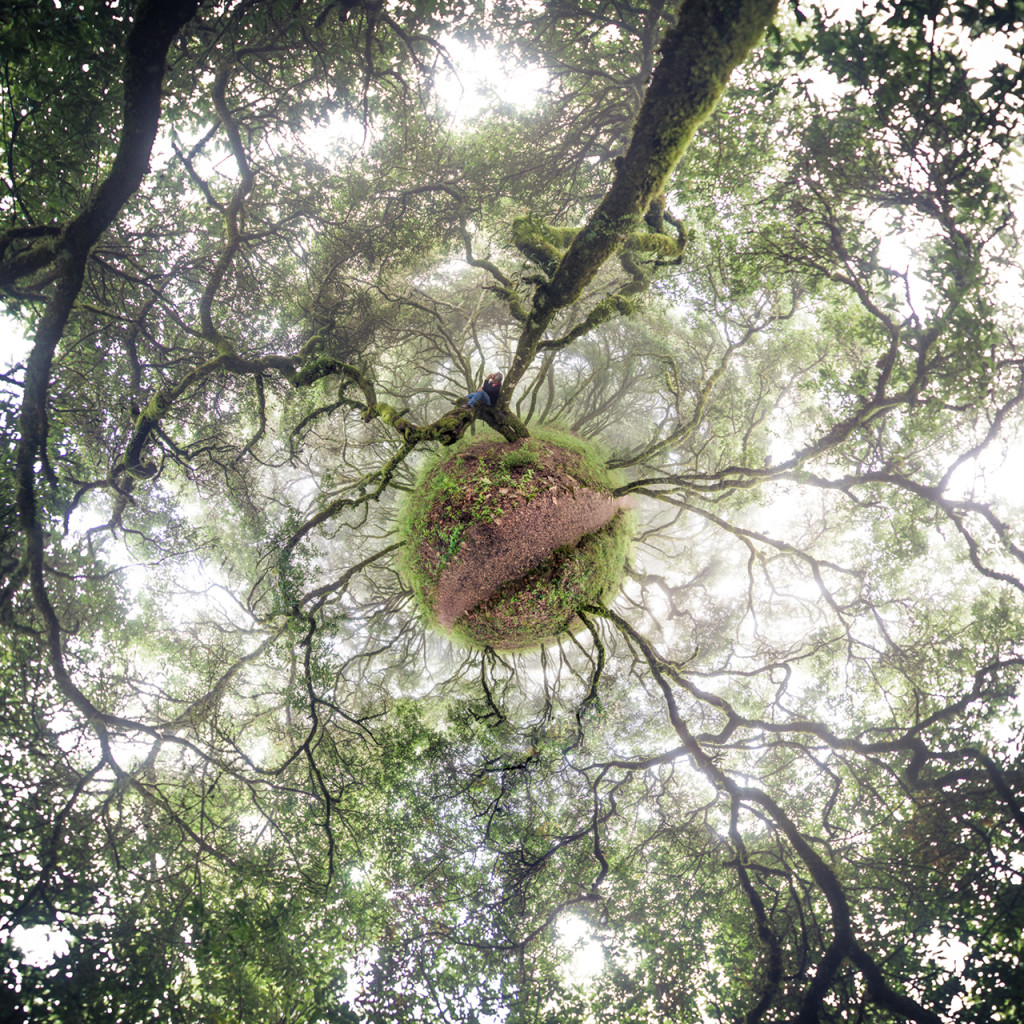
[764, 259]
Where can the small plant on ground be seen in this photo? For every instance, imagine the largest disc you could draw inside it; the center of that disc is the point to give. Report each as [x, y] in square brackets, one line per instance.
[519, 458]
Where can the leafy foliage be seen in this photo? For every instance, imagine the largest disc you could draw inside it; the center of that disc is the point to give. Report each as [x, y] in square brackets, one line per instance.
[777, 777]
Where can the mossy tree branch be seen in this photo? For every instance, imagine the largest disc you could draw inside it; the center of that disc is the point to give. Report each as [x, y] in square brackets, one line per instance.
[299, 372]
[699, 53]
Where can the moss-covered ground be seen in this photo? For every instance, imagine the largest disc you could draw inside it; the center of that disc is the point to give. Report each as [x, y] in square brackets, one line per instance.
[481, 482]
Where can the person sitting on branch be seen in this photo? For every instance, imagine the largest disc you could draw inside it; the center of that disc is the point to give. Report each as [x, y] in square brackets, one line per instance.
[488, 394]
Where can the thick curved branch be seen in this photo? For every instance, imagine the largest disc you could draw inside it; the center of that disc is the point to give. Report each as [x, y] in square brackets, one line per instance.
[699, 53]
[156, 24]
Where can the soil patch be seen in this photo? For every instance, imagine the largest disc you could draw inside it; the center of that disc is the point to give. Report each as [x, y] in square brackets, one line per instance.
[517, 541]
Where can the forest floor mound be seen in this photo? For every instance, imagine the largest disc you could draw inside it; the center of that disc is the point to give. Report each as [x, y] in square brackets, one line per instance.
[494, 553]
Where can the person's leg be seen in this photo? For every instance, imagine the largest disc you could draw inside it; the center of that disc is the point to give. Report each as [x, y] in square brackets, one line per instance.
[476, 397]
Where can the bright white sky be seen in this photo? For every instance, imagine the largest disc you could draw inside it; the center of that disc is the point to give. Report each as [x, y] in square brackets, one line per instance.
[13, 344]
[480, 75]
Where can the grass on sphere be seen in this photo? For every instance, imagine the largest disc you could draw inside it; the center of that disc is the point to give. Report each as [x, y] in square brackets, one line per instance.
[476, 483]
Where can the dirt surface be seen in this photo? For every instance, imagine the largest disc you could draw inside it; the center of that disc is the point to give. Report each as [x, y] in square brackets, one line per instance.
[494, 553]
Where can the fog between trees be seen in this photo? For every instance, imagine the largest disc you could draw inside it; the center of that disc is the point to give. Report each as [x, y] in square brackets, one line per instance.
[258, 263]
